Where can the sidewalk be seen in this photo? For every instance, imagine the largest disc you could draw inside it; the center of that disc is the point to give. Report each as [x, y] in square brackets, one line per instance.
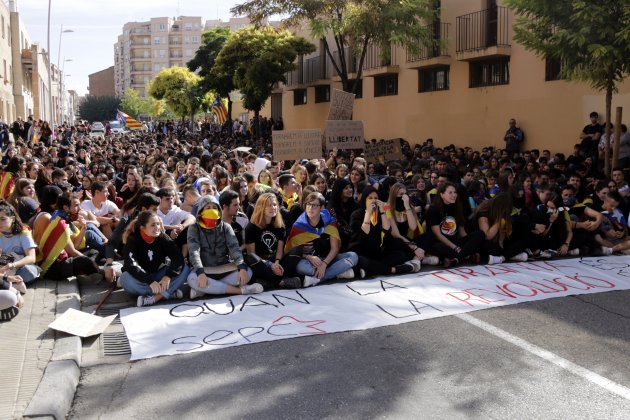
[27, 347]
[40, 366]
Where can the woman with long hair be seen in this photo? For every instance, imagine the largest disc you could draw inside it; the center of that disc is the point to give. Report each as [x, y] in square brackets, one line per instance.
[315, 239]
[321, 183]
[239, 186]
[357, 175]
[15, 168]
[17, 245]
[24, 199]
[264, 241]
[445, 219]
[266, 180]
[341, 206]
[495, 218]
[379, 252]
[133, 184]
[154, 267]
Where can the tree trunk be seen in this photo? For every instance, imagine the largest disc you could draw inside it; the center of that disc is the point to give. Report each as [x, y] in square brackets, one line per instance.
[256, 130]
[609, 93]
[229, 114]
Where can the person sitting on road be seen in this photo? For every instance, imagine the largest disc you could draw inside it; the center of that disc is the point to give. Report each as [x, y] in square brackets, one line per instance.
[315, 238]
[216, 260]
[264, 241]
[17, 248]
[146, 271]
[11, 300]
[106, 211]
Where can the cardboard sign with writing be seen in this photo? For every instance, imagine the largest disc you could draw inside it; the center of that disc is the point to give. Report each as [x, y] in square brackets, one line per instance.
[344, 135]
[341, 104]
[383, 150]
[297, 144]
[80, 323]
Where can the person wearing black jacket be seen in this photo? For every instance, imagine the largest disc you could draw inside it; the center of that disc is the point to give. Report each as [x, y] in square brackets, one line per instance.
[146, 273]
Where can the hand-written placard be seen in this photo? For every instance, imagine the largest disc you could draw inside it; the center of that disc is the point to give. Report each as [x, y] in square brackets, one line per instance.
[341, 104]
[344, 135]
[297, 144]
[383, 150]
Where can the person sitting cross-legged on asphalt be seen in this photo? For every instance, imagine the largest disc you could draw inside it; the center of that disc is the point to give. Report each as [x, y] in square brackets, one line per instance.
[146, 273]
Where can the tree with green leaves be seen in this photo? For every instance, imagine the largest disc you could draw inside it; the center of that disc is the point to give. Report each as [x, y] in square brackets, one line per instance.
[353, 24]
[203, 62]
[258, 58]
[590, 38]
[179, 88]
[134, 104]
[99, 108]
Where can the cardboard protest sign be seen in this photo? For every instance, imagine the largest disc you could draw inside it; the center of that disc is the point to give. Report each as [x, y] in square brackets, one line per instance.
[80, 323]
[345, 134]
[341, 104]
[218, 323]
[383, 150]
[297, 144]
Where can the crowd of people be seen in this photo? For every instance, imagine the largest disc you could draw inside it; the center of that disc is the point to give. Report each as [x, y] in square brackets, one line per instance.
[155, 210]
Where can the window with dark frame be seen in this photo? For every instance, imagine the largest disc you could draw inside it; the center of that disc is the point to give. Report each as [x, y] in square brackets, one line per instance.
[322, 94]
[299, 97]
[433, 79]
[553, 70]
[386, 85]
[490, 72]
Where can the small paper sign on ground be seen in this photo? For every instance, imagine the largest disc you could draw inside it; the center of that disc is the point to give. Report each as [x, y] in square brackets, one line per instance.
[345, 134]
[297, 144]
[383, 150]
[341, 104]
[80, 323]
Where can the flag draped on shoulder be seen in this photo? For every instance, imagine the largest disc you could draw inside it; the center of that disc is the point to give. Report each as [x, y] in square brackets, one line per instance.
[52, 244]
[7, 184]
[128, 121]
[303, 232]
[220, 110]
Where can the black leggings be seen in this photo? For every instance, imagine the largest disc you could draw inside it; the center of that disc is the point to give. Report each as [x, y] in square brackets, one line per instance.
[71, 266]
[470, 244]
[261, 271]
[510, 247]
[394, 252]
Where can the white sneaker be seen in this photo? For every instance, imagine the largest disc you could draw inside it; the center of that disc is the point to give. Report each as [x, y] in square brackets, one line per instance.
[196, 293]
[252, 289]
[348, 274]
[625, 251]
[574, 252]
[431, 260]
[607, 250]
[522, 257]
[119, 282]
[493, 259]
[310, 281]
[145, 301]
[178, 294]
[417, 265]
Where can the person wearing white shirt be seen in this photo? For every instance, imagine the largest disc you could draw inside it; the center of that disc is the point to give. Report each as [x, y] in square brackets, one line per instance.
[175, 220]
[107, 212]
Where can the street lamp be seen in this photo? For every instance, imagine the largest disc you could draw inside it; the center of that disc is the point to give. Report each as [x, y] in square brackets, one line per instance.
[62, 89]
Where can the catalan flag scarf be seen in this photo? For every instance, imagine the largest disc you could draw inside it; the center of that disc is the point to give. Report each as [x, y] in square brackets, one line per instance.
[303, 232]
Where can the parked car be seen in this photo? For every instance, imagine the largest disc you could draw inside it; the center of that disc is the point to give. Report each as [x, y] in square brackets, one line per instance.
[97, 125]
[97, 132]
[117, 128]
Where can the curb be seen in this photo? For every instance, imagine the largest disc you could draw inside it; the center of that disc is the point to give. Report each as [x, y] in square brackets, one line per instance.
[55, 392]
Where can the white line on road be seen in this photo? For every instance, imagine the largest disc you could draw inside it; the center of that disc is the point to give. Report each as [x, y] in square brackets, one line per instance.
[590, 376]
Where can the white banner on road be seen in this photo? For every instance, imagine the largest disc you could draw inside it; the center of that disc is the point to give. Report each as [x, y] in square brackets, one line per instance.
[225, 322]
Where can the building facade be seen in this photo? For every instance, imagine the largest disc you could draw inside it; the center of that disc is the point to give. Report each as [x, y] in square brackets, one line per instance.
[102, 83]
[462, 92]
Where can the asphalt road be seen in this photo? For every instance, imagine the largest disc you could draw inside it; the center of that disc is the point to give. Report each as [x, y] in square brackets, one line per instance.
[559, 358]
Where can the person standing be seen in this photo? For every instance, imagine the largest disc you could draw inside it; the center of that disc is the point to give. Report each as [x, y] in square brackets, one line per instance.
[590, 136]
[513, 138]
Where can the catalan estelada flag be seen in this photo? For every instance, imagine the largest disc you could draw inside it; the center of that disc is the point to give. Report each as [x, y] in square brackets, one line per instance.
[128, 121]
[302, 232]
[220, 110]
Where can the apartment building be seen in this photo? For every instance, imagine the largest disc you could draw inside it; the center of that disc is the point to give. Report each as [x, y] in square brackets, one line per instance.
[7, 104]
[102, 82]
[463, 92]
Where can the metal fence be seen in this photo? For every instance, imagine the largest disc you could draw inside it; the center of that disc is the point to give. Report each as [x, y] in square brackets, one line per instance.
[438, 47]
[483, 29]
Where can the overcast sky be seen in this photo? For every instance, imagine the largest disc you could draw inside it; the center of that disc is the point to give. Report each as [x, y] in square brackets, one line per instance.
[97, 24]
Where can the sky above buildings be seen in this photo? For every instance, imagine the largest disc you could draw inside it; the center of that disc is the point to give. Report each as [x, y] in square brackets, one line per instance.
[97, 24]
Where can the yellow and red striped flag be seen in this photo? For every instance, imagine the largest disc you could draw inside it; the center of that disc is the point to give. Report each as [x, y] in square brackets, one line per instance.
[220, 110]
[128, 121]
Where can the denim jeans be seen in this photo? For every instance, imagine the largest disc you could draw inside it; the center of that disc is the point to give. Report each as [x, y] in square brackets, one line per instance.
[29, 273]
[95, 239]
[218, 286]
[135, 287]
[342, 262]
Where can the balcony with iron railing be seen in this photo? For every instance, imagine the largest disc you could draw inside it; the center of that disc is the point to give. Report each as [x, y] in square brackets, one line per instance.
[380, 60]
[485, 33]
[434, 52]
[309, 72]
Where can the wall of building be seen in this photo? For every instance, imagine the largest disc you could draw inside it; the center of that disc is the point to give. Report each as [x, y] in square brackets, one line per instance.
[552, 113]
[102, 82]
[7, 104]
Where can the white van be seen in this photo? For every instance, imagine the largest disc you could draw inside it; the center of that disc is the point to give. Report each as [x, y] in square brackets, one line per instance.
[117, 128]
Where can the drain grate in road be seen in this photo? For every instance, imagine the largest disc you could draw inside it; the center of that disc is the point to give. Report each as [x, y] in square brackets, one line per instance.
[115, 344]
[104, 312]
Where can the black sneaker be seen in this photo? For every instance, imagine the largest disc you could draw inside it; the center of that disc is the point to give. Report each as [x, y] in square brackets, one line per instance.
[8, 314]
[405, 268]
[291, 283]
